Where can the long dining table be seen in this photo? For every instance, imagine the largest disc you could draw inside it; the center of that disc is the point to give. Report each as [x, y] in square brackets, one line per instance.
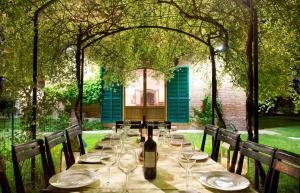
[170, 177]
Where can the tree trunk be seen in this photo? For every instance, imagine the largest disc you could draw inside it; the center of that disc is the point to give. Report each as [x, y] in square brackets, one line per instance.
[255, 63]
[252, 93]
[214, 90]
[81, 86]
[78, 73]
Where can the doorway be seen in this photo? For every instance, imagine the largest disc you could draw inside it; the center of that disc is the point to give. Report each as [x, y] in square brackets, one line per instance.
[145, 96]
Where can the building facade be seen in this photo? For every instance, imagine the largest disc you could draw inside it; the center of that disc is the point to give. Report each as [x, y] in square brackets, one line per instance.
[151, 96]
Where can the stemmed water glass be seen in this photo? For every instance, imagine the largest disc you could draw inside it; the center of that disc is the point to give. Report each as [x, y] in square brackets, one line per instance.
[109, 162]
[123, 134]
[127, 164]
[127, 125]
[185, 161]
[116, 144]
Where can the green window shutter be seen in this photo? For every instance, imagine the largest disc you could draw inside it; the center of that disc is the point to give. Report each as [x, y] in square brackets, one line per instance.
[111, 104]
[178, 96]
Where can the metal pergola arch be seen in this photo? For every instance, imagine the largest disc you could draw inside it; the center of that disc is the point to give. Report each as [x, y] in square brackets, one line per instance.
[214, 88]
[181, 14]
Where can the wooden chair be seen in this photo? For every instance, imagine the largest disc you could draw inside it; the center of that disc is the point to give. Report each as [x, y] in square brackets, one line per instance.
[26, 151]
[53, 140]
[213, 132]
[260, 153]
[168, 125]
[233, 139]
[74, 134]
[287, 163]
[119, 125]
[135, 124]
[3, 179]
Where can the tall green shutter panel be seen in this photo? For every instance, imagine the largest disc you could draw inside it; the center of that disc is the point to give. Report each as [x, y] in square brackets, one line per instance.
[178, 96]
[111, 104]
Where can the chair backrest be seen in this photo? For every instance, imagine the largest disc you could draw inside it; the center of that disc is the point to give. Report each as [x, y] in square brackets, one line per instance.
[135, 124]
[26, 151]
[119, 124]
[154, 124]
[3, 179]
[211, 130]
[287, 163]
[53, 140]
[168, 125]
[74, 135]
[260, 153]
[233, 139]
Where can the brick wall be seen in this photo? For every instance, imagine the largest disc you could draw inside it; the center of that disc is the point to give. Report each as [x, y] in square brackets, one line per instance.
[233, 98]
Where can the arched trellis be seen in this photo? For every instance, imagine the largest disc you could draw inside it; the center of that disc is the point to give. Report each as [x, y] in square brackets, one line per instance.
[79, 64]
[248, 4]
[252, 55]
[207, 43]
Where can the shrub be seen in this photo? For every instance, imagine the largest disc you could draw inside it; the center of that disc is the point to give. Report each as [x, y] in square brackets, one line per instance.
[90, 125]
[66, 94]
[203, 115]
[51, 123]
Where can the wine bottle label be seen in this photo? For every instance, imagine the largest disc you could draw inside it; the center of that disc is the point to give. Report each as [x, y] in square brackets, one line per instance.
[149, 160]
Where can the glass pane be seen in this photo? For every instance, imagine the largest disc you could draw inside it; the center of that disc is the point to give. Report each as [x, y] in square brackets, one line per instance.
[155, 88]
[134, 90]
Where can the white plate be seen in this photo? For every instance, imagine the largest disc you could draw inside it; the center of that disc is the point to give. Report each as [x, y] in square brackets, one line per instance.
[132, 133]
[179, 142]
[177, 136]
[105, 145]
[200, 156]
[223, 180]
[74, 179]
[93, 157]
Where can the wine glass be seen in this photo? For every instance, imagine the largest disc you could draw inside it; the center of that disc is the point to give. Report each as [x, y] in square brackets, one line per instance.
[175, 140]
[127, 125]
[185, 161]
[123, 134]
[127, 164]
[115, 139]
[162, 137]
[109, 162]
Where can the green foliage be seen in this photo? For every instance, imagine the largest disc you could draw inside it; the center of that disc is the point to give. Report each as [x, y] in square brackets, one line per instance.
[51, 123]
[287, 106]
[267, 105]
[91, 91]
[90, 125]
[203, 116]
[68, 93]
[123, 53]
